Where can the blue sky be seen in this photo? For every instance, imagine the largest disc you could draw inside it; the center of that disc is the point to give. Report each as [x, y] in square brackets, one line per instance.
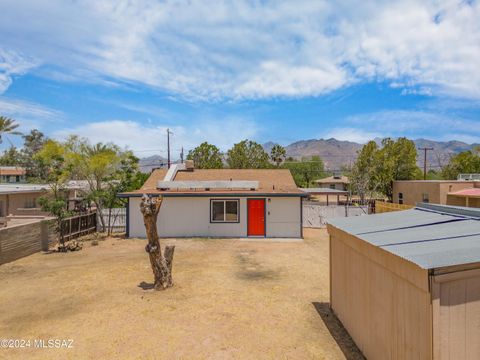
[223, 71]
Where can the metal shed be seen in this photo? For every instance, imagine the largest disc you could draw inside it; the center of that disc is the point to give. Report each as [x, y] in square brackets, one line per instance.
[406, 285]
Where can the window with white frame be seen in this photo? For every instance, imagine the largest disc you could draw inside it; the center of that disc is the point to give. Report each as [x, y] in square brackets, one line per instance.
[224, 211]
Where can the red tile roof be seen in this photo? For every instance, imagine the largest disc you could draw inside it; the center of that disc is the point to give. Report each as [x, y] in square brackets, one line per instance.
[472, 192]
[12, 170]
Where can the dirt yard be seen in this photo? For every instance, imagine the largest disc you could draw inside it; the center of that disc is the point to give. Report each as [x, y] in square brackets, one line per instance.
[232, 300]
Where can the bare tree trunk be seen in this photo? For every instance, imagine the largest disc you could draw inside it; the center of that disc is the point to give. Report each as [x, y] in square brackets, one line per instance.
[161, 265]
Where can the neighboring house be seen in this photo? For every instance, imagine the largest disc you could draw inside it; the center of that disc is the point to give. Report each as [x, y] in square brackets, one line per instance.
[406, 284]
[12, 174]
[21, 199]
[335, 182]
[220, 203]
[410, 192]
[468, 197]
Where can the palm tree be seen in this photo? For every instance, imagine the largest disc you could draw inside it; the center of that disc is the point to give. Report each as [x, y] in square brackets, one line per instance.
[8, 126]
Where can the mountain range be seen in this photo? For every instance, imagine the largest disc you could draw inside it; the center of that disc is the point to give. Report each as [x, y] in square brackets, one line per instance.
[338, 153]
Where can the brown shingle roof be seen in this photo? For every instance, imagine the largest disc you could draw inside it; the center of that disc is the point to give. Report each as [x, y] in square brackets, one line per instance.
[271, 181]
[155, 176]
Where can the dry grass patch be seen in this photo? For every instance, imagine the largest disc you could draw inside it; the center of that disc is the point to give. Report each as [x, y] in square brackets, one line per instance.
[231, 300]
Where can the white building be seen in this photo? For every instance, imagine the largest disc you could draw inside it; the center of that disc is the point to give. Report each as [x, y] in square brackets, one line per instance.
[220, 203]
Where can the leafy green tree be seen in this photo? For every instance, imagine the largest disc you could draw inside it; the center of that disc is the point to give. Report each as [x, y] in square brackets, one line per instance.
[434, 175]
[33, 143]
[206, 156]
[98, 164]
[466, 162]
[278, 154]
[363, 177]
[377, 167]
[247, 154]
[58, 207]
[126, 178]
[306, 170]
[52, 159]
[8, 126]
[11, 157]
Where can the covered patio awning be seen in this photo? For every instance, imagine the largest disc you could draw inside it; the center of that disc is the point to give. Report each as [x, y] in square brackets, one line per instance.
[325, 192]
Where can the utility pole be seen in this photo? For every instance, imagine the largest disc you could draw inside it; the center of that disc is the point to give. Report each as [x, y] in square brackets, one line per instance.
[425, 149]
[168, 147]
[181, 155]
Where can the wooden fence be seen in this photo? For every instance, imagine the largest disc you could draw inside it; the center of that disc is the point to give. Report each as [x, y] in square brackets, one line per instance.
[115, 219]
[383, 206]
[316, 215]
[21, 240]
[79, 225]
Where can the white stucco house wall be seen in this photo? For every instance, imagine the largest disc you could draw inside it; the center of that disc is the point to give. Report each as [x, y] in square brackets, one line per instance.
[220, 203]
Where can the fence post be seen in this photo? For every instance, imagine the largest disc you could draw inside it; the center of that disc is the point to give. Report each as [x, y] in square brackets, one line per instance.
[44, 234]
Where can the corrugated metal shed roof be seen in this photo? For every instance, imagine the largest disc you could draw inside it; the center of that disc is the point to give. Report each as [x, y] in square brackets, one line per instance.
[429, 236]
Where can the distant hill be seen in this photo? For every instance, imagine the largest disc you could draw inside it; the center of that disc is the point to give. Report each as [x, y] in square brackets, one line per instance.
[336, 153]
[147, 164]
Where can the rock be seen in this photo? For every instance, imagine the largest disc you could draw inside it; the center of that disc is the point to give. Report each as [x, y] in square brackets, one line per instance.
[74, 245]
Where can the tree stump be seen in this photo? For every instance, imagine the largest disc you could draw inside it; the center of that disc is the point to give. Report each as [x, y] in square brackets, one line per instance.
[161, 265]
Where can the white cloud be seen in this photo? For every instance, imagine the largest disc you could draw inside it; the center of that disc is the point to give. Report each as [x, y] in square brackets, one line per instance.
[26, 109]
[11, 64]
[411, 124]
[151, 139]
[29, 115]
[255, 49]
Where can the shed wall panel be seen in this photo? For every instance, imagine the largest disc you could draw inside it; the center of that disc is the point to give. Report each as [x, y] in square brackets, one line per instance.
[457, 313]
[388, 315]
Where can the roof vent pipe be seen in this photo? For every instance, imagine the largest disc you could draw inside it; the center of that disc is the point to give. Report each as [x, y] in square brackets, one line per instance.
[172, 172]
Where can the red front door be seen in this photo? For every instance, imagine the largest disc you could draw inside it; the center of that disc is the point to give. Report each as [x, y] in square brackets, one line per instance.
[256, 217]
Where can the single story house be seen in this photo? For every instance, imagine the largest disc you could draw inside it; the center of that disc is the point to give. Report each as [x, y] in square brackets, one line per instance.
[410, 192]
[335, 182]
[220, 203]
[406, 284]
[22, 199]
[12, 174]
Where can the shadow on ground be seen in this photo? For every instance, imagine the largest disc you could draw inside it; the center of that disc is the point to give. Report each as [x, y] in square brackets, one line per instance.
[338, 332]
[250, 269]
[146, 286]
